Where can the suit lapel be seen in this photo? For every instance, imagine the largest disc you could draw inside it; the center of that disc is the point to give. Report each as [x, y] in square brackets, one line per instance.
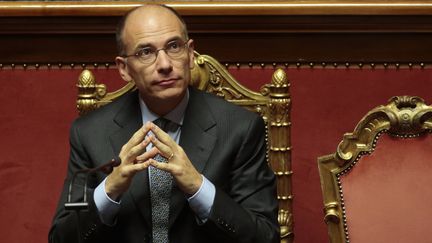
[129, 120]
[197, 141]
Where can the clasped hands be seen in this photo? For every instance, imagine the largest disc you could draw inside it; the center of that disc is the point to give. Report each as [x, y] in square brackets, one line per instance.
[135, 158]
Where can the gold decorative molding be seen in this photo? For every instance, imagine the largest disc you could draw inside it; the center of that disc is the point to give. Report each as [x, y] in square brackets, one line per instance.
[272, 102]
[403, 116]
[191, 8]
[92, 95]
[285, 219]
[211, 76]
[279, 142]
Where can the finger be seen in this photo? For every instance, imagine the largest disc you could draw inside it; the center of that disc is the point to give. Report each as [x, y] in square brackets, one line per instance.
[161, 166]
[130, 170]
[164, 150]
[147, 155]
[135, 151]
[138, 136]
[161, 135]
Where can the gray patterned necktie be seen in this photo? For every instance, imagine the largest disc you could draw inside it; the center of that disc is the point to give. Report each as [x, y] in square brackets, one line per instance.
[160, 191]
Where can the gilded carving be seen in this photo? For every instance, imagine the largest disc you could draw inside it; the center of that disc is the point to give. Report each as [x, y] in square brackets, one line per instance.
[331, 212]
[88, 92]
[86, 79]
[280, 146]
[280, 79]
[285, 219]
[403, 116]
[218, 86]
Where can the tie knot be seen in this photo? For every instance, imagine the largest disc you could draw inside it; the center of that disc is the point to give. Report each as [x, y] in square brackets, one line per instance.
[165, 124]
[161, 123]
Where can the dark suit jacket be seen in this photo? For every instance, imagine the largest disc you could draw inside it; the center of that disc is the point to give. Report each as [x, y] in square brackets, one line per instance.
[225, 143]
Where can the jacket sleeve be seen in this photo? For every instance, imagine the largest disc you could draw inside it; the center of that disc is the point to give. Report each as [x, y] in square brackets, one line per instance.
[247, 211]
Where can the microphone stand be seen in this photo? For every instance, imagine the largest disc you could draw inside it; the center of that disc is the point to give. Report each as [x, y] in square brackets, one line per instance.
[83, 205]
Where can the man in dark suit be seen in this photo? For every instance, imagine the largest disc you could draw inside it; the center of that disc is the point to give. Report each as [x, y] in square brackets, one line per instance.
[210, 153]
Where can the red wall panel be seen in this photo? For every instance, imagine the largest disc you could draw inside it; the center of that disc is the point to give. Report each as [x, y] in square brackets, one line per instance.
[37, 107]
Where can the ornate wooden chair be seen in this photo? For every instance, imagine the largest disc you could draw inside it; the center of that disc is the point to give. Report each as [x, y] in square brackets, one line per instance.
[377, 186]
[272, 103]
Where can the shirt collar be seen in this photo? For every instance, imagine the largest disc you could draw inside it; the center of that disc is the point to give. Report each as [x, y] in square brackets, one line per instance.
[176, 115]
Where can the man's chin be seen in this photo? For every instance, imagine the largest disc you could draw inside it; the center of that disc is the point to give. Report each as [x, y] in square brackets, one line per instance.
[174, 93]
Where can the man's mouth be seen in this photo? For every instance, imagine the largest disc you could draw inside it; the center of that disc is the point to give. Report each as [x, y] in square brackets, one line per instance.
[166, 82]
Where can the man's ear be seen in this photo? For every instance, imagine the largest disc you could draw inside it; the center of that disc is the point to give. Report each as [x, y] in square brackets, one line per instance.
[123, 69]
[191, 54]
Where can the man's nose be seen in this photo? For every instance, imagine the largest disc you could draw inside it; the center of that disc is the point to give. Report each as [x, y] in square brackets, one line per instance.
[163, 61]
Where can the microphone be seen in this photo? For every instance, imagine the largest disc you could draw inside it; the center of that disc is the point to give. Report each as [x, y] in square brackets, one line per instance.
[105, 168]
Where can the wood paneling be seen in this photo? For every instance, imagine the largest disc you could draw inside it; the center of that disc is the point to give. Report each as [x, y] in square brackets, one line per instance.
[299, 31]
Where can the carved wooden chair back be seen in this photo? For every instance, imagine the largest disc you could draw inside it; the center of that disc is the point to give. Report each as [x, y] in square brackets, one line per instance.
[376, 187]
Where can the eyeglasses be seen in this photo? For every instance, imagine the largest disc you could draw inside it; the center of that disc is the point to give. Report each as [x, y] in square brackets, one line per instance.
[174, 49]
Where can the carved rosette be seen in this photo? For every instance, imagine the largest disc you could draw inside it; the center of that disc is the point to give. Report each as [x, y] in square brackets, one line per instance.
[409, 115]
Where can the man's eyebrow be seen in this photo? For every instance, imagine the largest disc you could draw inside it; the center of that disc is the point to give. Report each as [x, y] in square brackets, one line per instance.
[144, 45]
[175, 38]
[149, 45]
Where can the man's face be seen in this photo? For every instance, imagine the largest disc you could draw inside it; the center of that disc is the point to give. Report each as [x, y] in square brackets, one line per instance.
[166, 79]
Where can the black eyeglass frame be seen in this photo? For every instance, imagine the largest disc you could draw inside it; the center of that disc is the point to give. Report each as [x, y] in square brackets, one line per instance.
[138, 54]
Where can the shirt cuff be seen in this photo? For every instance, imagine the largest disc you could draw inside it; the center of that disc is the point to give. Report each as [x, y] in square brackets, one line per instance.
[107, 208]
[202, 201]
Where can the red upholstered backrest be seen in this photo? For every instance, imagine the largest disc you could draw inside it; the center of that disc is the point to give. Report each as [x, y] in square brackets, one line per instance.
[388, 194]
